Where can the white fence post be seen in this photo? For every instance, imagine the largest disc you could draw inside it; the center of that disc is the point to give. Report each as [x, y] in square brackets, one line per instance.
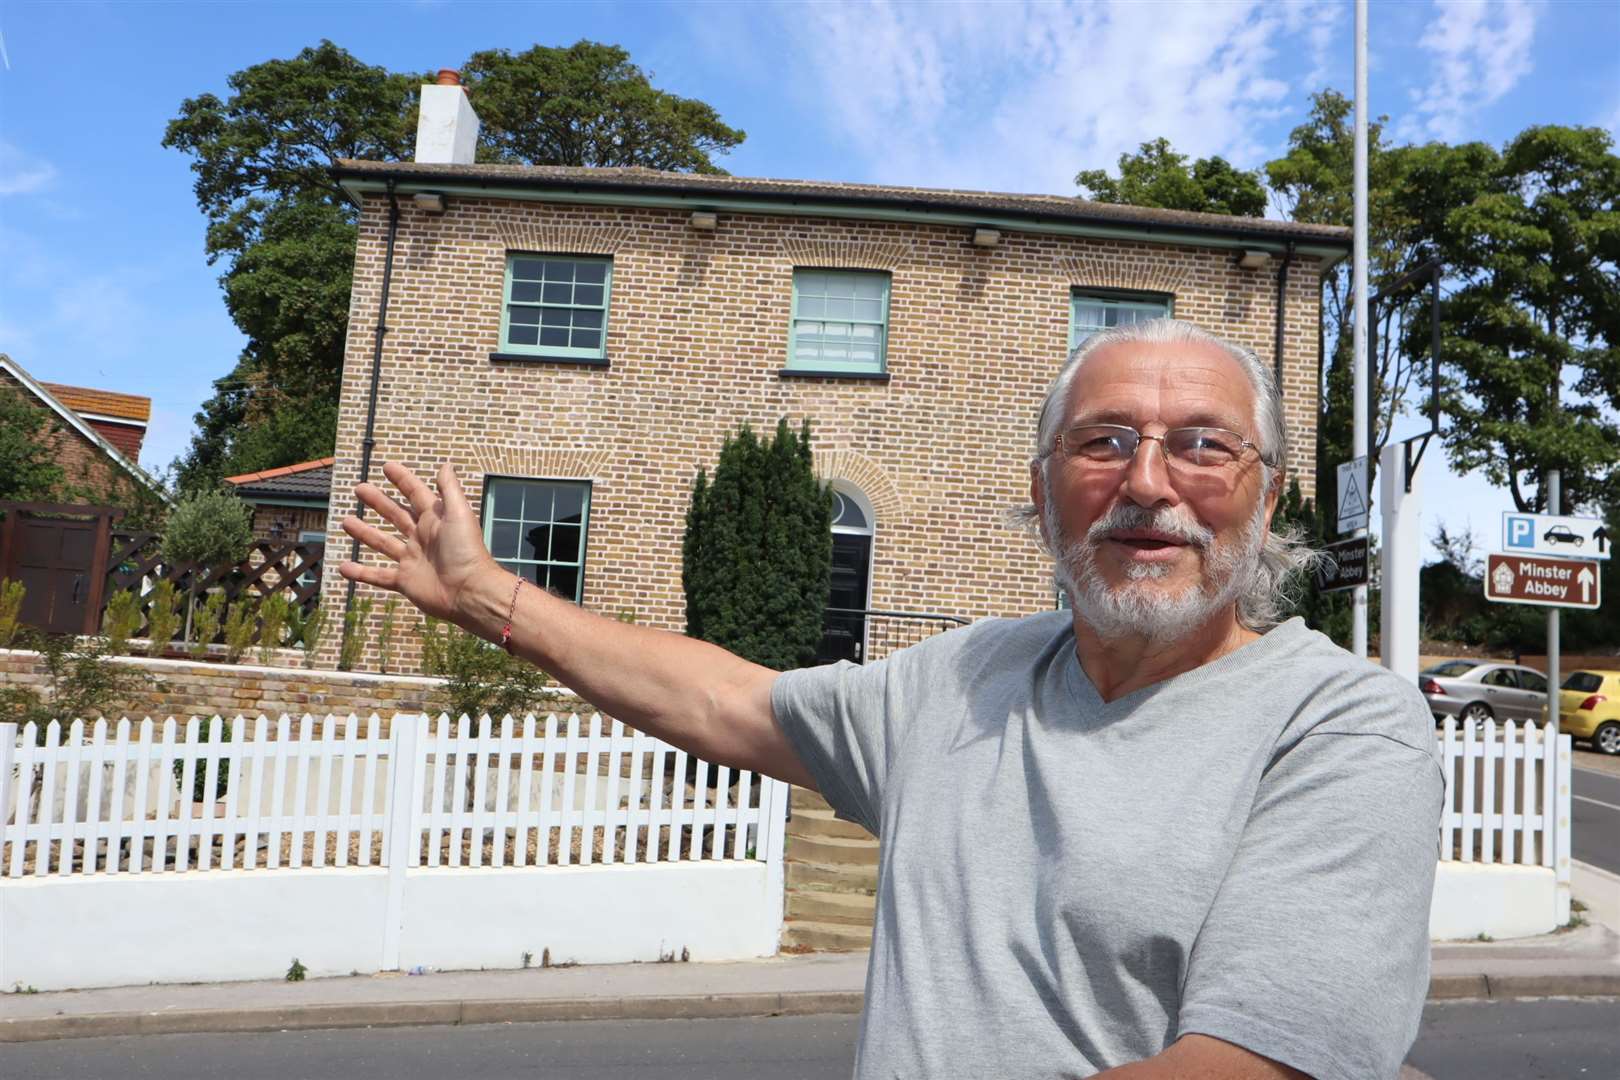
[1561, 832]
[774, 795]
[403, 827]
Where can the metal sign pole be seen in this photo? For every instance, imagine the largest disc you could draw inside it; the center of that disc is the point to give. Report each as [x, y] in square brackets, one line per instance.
[1554, 676]
[1358, 288]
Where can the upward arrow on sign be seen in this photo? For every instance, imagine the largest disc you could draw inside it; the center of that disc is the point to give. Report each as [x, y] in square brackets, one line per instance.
[1585, 578]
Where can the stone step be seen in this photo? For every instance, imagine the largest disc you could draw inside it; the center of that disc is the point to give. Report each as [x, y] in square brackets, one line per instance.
[819, 823]
[826, 937]
[804, 798]
[817, 905]
[833, 850]
[846, 879]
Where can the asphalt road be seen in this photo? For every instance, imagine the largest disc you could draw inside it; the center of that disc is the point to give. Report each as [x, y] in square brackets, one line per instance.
[1595, 817]
[1527, 1040]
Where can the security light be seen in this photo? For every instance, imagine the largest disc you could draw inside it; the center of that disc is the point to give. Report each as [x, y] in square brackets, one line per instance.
[986, 238]
[1254, 260]
[704, 220]
[429, 202]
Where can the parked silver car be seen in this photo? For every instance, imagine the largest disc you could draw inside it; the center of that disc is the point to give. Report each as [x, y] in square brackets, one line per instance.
[1476, 690]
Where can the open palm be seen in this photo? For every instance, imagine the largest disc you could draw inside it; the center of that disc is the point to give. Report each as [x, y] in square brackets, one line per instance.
[439, 549]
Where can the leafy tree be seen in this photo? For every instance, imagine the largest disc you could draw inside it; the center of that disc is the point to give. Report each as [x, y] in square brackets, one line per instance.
[588, 104]
[1158, 176]
[208, 528]
[262, 159]
[1531, 239]
[1314, 183]
[285, 231]
[28, 469]
[756, 559]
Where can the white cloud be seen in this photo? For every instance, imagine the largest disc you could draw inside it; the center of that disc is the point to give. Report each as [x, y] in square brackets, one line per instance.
[1020, 96]
[21, 173]
[1478, 53]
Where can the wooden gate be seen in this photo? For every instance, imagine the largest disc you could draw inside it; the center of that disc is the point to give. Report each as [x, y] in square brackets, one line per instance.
[59, 553]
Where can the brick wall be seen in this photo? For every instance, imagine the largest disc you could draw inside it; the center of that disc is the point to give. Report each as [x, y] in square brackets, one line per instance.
[83, 462]
[182, 688]
[697, 336]
[282, 524]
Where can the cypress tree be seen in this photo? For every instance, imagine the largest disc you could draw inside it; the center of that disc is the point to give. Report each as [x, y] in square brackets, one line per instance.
[757, 554]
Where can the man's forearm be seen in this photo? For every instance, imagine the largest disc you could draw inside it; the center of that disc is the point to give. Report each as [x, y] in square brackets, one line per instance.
[687, 692]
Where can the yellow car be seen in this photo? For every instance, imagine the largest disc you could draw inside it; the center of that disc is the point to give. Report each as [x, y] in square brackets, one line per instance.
[1589, 708]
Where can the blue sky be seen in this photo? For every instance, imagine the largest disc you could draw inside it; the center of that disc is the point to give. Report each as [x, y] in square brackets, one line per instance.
[104, 282]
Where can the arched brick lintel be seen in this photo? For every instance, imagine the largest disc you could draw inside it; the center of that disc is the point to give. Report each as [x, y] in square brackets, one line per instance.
[542, 463]
[866, 474]
[1131, 275]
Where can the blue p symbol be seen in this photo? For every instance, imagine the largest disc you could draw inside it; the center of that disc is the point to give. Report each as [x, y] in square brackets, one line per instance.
[1521, 532]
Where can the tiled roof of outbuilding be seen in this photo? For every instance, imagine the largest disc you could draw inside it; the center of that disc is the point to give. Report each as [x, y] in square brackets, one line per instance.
[82, 399]
[308, 479]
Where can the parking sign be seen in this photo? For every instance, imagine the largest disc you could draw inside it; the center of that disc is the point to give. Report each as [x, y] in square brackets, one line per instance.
[1554, 534]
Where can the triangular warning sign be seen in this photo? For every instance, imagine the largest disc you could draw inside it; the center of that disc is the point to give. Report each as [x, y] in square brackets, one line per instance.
[1351, 504]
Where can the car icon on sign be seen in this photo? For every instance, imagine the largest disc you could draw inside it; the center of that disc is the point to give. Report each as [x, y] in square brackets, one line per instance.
[1558, 534]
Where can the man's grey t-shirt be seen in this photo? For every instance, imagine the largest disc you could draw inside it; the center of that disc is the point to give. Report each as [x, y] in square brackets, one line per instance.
[1246, 851]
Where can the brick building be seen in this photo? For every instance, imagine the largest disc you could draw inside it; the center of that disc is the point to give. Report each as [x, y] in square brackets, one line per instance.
[290, 503]
[94, 435]
[578, 342]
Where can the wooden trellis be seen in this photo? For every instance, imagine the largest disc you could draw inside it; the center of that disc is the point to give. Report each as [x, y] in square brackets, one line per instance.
[136, 564]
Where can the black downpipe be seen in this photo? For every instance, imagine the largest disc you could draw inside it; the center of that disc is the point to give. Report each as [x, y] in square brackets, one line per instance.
[1282, 314]
[369, 441]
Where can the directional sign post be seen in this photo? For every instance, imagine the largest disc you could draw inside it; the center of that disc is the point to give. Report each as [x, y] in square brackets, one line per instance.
[1554, 534]
[1353, 502]
[1536, 579]
[1345, 566]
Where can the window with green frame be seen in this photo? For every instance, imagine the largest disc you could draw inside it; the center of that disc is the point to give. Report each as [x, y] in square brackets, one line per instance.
[556, 306]
[1091, 312]
[840, 320]
[536, 529]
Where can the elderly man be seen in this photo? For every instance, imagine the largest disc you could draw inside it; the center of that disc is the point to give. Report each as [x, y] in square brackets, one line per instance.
[1157, 835]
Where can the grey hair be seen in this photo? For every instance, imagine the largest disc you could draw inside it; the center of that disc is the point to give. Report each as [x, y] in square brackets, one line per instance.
[1285, 555]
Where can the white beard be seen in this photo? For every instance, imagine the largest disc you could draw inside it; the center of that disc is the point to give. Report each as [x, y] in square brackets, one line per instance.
[1138, 607]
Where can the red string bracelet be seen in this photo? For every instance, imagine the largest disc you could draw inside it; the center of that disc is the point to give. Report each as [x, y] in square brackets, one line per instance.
[506, 631]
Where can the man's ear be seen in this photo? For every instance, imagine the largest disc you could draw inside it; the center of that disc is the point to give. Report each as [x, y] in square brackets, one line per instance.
[1037, 498]
[1274, 496]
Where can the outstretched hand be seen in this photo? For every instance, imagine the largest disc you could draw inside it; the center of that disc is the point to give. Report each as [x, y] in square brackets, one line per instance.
[440, 546]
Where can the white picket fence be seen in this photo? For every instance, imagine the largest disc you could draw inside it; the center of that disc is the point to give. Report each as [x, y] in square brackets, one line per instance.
[109, 806]
[1507, 794]
[532, 791]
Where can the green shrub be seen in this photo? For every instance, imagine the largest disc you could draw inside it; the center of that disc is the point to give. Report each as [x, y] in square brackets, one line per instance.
[81, 682]
[355, 632]
[239, 625]
[756, 557]
[311, 629]
[11, 598]
[274, 615]
[434, 634]
[162, 617]
[385, 634]
[209, 528]
[205, 623]
[122, 621]
[480, 678]
[199, 771]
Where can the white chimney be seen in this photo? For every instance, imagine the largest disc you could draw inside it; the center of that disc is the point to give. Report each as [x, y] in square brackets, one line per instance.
[447, 129]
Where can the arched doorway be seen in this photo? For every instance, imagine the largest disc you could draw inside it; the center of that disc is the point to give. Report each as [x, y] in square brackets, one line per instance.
[844, 637]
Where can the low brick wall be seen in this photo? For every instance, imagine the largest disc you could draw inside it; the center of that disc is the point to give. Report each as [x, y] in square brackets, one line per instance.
[192, 688]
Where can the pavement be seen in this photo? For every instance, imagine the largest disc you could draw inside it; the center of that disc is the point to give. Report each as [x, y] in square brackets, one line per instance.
[1579, 962]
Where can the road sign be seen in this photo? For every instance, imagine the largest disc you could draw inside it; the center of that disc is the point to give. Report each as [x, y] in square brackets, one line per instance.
[1555, 534]
[1345, 567]
[1353, 502]
[1536, 579]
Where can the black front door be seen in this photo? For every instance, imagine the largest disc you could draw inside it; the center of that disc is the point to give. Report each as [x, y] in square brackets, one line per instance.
[844, 636]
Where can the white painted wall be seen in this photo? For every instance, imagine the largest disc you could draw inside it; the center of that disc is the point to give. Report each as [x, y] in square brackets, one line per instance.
[465, 918]
[77, 932]
[1471, 899]
[446, 127]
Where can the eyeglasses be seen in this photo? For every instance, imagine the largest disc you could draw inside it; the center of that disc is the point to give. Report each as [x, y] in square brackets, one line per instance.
[1192, 449]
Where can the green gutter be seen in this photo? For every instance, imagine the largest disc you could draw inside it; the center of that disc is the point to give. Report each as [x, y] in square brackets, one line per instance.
[405, 184]
[298, 504]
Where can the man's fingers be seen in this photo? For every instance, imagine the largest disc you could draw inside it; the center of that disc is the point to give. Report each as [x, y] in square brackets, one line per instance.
[450, 490]
[395, 514]
[384, 577]
[420, 495]
[374, 538]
